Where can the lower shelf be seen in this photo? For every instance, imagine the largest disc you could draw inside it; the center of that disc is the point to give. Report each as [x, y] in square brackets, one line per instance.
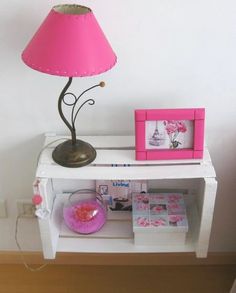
[117, 236]
[115, 246]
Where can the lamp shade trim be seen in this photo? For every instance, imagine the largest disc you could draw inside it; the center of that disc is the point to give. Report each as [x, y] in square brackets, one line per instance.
[65, 73]
[71, 45]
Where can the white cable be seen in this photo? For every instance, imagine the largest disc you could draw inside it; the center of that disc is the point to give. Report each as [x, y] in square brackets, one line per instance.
[22, 216]
[21, 251]
[47, 145]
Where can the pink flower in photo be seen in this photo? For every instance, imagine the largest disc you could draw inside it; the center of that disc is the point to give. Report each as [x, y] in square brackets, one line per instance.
[158, 209]
[173, 128]
[181, 126]
[174, 206]
[176, 218]
[158, 222]
[142, 198]
[142, 221]
[141, 206]
[139, 197]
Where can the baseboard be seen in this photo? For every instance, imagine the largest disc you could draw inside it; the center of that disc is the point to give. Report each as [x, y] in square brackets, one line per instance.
[214, 258]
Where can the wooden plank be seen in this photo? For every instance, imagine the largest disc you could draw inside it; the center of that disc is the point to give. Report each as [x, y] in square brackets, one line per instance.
[120, 156]
[96, 141]
[115, 246]
[115, 144]
[111, 230]
[106, 157]
[207, 211]
[129, 173]
[49, 226]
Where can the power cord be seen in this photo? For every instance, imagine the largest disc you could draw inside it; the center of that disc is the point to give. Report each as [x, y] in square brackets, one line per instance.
[47, 145]
[21, 251]
[27, 266]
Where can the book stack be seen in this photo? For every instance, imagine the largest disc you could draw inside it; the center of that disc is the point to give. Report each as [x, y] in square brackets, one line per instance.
[117, 195]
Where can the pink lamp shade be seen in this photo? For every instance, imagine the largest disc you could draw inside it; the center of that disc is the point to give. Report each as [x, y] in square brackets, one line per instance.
[69, 43]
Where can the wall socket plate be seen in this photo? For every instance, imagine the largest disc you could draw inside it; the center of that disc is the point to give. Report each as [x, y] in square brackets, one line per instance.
[3, 209]
[25, 208]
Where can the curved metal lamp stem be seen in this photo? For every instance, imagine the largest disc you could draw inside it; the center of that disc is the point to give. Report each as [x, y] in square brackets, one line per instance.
[74, 152]
[60, 101]
[74, 114]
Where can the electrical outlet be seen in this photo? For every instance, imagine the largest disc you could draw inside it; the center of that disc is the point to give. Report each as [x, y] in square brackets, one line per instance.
[3, 210]
[26, 208]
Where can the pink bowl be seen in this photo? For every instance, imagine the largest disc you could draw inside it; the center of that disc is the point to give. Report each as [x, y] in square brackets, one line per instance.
[85, 217]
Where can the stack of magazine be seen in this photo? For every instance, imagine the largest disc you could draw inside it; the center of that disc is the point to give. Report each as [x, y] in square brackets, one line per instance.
[117, 194]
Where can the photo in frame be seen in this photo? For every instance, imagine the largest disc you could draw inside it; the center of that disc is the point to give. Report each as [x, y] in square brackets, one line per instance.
[166, 134]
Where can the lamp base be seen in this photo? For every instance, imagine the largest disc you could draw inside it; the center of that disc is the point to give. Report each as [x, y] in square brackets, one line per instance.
[75, 155]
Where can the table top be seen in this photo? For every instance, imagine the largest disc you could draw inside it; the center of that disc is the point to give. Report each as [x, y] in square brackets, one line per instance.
[116, 160]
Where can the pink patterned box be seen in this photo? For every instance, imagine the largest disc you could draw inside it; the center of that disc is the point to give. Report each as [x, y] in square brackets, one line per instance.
[158, 218]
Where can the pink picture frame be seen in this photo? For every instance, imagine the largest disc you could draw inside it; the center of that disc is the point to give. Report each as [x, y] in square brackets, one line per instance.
[182, 134]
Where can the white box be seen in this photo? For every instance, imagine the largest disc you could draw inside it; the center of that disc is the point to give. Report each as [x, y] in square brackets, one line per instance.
[159, 238]
[159, 218]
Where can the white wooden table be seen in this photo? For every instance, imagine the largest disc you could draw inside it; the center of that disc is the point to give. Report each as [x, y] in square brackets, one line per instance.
[56, 182]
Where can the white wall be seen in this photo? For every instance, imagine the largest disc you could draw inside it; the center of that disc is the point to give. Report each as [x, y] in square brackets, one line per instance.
[170, 54]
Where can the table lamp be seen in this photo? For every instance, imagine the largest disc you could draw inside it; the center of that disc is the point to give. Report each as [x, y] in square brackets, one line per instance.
[70, 43]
